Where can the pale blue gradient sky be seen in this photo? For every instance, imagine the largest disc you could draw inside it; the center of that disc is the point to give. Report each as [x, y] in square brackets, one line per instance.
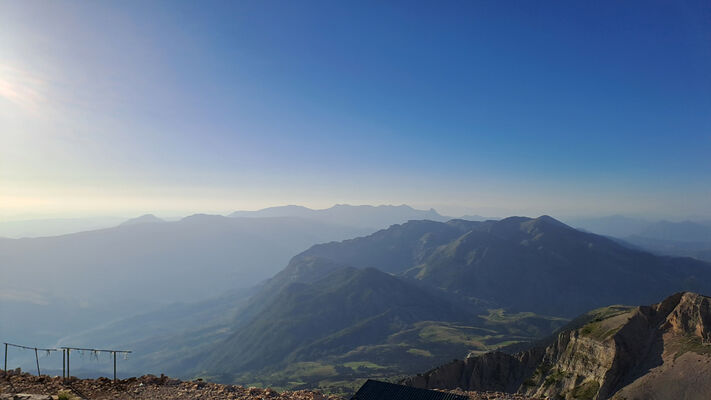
[491, 107]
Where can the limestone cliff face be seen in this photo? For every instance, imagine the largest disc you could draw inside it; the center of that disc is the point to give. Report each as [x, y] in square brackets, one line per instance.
[495, 371]
[574, 363]
[608, 353]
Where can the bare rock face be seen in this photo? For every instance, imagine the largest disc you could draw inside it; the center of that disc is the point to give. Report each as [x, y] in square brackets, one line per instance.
[649, 352]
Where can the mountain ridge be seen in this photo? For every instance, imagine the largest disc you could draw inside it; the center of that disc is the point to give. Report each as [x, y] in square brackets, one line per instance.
[371, 294]
[537, 259]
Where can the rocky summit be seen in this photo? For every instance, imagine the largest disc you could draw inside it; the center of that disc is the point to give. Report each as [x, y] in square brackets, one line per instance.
[17, 385]
[650, 352]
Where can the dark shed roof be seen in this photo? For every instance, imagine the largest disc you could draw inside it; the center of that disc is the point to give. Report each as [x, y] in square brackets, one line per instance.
[376, 390]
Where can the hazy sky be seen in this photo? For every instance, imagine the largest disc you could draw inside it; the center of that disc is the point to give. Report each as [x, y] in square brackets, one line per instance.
[493, 107]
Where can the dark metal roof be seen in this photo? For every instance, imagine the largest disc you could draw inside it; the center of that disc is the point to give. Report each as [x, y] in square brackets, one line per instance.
[376, 390]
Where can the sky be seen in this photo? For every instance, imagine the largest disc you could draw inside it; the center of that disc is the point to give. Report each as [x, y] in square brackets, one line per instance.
[488, 107]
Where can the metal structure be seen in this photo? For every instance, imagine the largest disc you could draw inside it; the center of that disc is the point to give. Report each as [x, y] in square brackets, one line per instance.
[28, 348]
[66, 351]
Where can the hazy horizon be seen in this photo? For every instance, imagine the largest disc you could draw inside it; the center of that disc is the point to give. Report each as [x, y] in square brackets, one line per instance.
[616, 225]
[453, 212]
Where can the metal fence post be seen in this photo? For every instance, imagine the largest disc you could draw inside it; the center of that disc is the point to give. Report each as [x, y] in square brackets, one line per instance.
[37, 359]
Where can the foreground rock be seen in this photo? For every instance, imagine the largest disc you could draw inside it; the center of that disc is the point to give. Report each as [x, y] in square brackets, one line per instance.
[21, 385]
[24, 386]
[651, 352]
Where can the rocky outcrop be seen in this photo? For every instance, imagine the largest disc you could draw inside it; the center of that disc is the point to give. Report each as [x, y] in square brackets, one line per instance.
[692, 315]
[17, 385]
[612, 352]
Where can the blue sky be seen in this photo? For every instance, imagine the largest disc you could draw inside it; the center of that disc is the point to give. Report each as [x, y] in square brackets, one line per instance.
[565, 108]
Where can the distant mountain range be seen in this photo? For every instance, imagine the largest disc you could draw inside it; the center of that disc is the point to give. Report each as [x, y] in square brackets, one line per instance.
[685, 238]
[183, 260]
[365, 216]
[618, 226]
[620, 352]
[143, 219]
[405, 299]
[30, 228]
[685, 231]
[148, 258]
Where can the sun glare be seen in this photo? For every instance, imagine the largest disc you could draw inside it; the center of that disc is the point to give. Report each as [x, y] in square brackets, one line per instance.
[22, 88]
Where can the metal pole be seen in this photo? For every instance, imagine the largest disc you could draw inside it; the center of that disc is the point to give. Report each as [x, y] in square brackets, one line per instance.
[5, 357]
[64, 365]
[37, 359]
[114, 367]
[68, 373]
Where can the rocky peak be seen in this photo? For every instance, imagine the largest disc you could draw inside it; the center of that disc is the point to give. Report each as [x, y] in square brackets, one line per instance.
[691, 315]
